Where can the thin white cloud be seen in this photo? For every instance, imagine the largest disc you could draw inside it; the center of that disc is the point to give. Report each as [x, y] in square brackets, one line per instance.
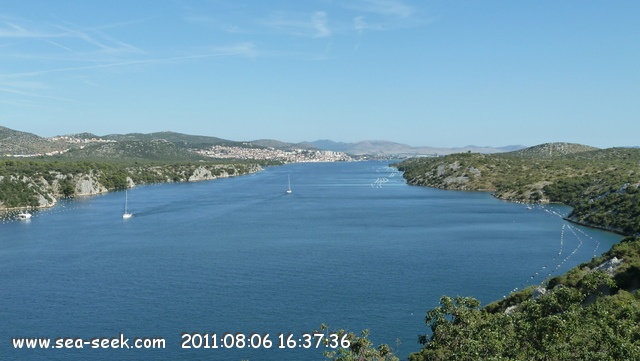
[60, 46]
[10, 29]
[315, 25]
[360, 24]
[395, 8]
[382, 15]
[100, 51]
[31, 94]
[67, 34]
[215, 23]
[319, 22]
[26, 85]
[12, 83]
[241, 49]
[246, 49]
[99, 40]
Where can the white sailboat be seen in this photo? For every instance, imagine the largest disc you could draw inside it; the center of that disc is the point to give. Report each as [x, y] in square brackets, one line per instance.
[289, 189]
[126, 214]
[23, 216]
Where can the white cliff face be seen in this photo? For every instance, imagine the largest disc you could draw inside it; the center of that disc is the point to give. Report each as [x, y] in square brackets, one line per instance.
[201, 173]
[49, 191]
[609, 266]
[539, 292]
[88, 186]
[43, 202]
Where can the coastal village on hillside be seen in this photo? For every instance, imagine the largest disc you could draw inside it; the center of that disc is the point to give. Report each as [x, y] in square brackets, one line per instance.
[216, 152]
[287, 156]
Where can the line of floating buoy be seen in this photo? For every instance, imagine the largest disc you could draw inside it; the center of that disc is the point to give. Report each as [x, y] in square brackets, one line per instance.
[12, 216]
[382, 180]
[552, 212]
[379, 182]
[561, 241]
[597, 242]
[560, 252]
[568, 256]
[574, 229]
[573, 252]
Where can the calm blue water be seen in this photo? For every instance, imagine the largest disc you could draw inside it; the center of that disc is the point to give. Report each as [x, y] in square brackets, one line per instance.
[353, 247]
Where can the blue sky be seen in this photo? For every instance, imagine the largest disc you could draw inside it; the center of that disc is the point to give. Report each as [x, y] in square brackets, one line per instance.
[438, 73]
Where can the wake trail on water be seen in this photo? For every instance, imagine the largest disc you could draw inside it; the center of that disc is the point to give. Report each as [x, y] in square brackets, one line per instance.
[223, 208]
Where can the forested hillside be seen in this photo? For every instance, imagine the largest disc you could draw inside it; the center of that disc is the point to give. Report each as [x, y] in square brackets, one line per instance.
[17, 142]
[590, 313]
[601, 185]
[40, 182]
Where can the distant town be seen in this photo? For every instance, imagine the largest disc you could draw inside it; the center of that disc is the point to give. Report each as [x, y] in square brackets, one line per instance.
[287, 156]
[216, 151]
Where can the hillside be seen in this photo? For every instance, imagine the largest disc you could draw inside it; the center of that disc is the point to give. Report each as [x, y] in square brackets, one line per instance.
[148, 150]
[160, 145]
[23, 143]
[84, 164]
[590, 313]
[37, 183]
[178, 139]
[271, 143]
[137, 146]
[18, 143]
[399, 150]
[552, 150]
[601, 185]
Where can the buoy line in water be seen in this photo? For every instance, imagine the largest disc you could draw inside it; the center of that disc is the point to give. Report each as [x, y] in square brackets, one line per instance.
[595, 250]
[378, 183]
[12, 216]
[558, 265]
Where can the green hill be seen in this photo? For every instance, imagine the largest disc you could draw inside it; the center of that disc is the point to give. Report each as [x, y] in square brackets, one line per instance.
[164, 146]
[178, 139]
[148, 150]
[551, 150]
[590, 313]
[14, 142]
[601, 185]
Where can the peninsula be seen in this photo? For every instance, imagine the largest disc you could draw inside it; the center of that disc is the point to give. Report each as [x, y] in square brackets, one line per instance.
[589, 313]
[35, 172]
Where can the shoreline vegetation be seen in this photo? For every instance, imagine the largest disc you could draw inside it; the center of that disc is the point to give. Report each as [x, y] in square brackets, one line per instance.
[35, 172]
[40, 183]
[592, 312]
[602, 186]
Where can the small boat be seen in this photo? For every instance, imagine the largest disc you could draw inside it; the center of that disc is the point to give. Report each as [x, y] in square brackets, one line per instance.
[289, 189]
[23, 216]
[126, 214]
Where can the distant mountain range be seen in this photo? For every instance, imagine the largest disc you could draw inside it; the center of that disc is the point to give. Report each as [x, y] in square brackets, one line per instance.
[386, 148]
[174, 145]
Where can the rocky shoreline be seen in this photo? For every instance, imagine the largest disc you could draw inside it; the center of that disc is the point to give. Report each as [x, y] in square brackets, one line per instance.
[57, 185]
[595, 226]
